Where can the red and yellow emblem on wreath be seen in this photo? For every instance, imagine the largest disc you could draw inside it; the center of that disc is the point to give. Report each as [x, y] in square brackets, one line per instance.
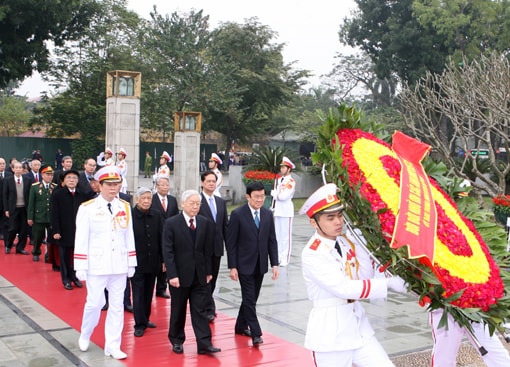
[459, 256]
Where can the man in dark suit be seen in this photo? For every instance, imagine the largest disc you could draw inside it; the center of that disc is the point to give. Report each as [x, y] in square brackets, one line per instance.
[4, 221]
[214, 208]
[89, 168]
[15, 197]
[34, 174]
[187, 252]
[251, 238]
[166, 206]
[67, 164]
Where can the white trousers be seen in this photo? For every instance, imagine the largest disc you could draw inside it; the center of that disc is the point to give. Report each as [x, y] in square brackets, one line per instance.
[96, 284]
[371, 354]
[283, 229]
[447, 343]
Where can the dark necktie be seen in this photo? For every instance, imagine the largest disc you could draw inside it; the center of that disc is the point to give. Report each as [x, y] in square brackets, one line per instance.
[257, 220]
[337, 247]
[191, 224]
[19, 181]
[163, 204]
[36, 178]
[109, 205]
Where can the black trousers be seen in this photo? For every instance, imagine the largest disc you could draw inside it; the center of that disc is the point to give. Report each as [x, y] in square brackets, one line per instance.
[66, 255]
[197, 295]
[18, 226]
[142, 285]
[247, 316]
[210, 306]
[161, 282]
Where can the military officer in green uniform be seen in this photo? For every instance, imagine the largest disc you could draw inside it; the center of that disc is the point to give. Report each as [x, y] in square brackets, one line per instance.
[148, 165]
[38, 215]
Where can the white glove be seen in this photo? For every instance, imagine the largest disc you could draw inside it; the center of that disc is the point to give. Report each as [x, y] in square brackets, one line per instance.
[81, 275]
[273, 193]
[397, 284]
[131, 271]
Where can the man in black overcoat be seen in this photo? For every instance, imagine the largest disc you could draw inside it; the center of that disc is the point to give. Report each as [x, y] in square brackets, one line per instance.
[147, 228]
[64, 204]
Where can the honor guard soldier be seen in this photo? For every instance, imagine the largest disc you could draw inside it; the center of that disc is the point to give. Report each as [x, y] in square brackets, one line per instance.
[214, 163]
[104, 256]
[283, 210]
[38, 212]
[338, 272]
[163, 169]
[123, 167]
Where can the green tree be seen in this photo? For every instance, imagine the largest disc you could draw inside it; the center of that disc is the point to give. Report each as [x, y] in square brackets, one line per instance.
[265, 81]
[26, 26]
[79, 71]
[411, 37]
[394, 39]
[14, 115]
[180, 74]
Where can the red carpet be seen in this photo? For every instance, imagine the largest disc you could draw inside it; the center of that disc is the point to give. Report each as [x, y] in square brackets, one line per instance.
[153, 349]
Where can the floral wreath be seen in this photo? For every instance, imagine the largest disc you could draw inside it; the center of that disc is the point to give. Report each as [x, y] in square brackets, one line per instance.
[465, 280]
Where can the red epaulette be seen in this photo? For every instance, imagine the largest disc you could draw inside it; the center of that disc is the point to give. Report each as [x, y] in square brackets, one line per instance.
[315, 244]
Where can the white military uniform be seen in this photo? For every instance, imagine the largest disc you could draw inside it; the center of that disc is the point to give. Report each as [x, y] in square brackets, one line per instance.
[163, 170]
[283, 216]
[338, 331]
[123, 167]
[219, 181]
[447, 343]
[104, 248]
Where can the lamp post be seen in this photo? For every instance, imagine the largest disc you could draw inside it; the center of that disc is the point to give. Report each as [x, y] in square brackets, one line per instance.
[187, 127]
[123, 90]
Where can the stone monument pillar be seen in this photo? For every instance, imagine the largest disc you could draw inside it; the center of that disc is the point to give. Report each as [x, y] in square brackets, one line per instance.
[187, 127]
[123, 89]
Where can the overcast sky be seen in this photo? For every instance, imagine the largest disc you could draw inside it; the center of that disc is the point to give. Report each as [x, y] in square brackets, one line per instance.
[308, 28]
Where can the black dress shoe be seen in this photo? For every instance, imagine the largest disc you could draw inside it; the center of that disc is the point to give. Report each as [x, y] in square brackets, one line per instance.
[139, 332]
[209, 350]
[105, 307]
[210, 318]
[177, 348]
[257, 340]
[128, 308]
[7, 250]
[151, 325]
[244, 332]
[68, 286]
[22, 252]
[35, 258]
[77, 283]
[55, 267]
[162, 295]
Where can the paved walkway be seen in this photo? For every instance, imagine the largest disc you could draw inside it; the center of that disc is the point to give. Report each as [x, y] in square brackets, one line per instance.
[400, 324]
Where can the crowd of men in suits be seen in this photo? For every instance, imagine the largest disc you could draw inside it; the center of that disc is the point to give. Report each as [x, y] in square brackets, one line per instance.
[179, 250]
